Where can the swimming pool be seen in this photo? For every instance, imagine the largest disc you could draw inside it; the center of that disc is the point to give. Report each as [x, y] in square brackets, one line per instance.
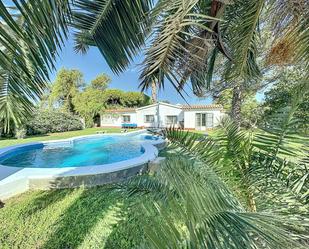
[80, 161]
[97, 150]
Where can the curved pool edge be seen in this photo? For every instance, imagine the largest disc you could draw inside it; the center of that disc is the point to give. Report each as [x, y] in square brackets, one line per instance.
[15, 180]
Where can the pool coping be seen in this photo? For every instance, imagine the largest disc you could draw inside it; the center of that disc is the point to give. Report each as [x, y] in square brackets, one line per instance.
[22, 176]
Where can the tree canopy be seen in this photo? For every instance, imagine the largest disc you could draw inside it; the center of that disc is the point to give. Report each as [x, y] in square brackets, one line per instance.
[89, 103]
[101, 82]
[66, 86]
[280, 94]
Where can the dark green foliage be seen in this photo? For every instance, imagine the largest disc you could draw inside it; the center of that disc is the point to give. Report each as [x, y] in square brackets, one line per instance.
[66, 86]
[31, 35]
[135, 99]
[192, 208]
[251, 112]
[46, 121]
[116, 97]
[280, 95]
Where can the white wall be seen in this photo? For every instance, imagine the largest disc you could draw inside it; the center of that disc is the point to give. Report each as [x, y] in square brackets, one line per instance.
[115, 119]
[166, 110]
[160, 120]
[138, 117]
[189, 117]
[143, 111]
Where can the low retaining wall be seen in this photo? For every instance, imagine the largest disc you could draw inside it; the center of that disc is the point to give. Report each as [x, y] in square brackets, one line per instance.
[85, 180]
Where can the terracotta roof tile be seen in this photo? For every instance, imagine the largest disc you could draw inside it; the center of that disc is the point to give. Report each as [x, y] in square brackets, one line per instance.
[195, 107]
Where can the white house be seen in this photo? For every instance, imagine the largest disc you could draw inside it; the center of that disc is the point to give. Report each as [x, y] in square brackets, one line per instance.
[191, 117]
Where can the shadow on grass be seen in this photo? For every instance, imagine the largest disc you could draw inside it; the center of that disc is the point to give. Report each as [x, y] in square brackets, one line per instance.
[80, 217]
[128, 232]
[42, 200]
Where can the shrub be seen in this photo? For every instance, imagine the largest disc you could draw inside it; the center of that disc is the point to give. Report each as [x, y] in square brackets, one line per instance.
[49, 121]
[20, 133]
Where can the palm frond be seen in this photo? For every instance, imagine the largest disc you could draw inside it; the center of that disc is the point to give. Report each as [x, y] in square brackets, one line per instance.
[117, 28]
[289, 23]
[193, 145]
[31, 34]
[204, 214]
[280, 132]
[241, 32]
[181, 41]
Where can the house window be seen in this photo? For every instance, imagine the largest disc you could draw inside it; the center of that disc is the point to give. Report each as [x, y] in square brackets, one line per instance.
[126, 118]
[171, 120]
[204, 120]
[107, 118]
[149, 118]
[209, 120]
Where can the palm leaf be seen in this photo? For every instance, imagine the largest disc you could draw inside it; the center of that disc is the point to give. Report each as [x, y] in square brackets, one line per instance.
[31, 33]
[204, 213]
[290, 30]
[180, 43]
[117, 28]
[241, 32]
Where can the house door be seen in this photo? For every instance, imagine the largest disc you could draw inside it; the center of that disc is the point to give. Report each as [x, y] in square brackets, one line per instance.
[203, 121]
[97, 120]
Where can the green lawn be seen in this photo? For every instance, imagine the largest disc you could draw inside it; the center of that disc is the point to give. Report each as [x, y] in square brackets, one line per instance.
[98, 217]
[55, 136]
[72, 218]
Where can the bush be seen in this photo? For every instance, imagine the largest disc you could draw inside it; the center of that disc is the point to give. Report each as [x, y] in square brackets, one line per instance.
[49, 121]
[20, 133]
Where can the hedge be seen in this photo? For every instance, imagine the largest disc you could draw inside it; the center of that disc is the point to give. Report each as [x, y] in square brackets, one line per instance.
[49, 121]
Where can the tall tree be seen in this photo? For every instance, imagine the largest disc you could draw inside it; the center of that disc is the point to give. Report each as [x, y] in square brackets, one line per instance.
[154, 92]
[280, 94]
[66, 86]
[135, 99]
[89, 103]
[101, 82]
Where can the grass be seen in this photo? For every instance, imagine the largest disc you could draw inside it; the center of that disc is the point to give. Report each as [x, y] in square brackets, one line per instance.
[98, 217]
[72, 218]
[54, 136]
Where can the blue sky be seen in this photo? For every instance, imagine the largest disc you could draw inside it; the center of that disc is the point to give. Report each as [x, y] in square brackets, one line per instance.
[93, 63]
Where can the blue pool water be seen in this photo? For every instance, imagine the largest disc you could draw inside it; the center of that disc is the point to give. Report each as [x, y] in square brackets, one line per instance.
[83, 152]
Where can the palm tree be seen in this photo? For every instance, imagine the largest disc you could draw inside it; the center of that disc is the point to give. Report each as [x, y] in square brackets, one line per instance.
[185, 37]
[230, 191]
[193, 208]
[248, 160]
[154, 92]
[195, 190]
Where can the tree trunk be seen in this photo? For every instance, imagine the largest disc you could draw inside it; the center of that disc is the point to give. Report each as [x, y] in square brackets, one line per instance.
[251, 202]
[1, 204]
[154, 92]
[236, 104]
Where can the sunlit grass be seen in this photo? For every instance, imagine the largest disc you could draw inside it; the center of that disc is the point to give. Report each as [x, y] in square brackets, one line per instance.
[73, 218]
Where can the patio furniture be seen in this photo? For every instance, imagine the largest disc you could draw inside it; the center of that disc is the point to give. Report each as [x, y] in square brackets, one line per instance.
[128, 125]
[100, 132]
